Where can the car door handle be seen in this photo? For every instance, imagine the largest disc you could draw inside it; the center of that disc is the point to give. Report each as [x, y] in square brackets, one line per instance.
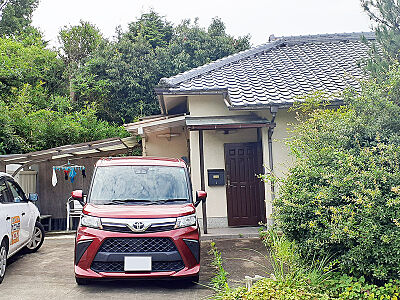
[8, 218]
[23, 214]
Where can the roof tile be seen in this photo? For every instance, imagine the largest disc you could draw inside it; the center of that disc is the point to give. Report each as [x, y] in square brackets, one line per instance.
[278, 72]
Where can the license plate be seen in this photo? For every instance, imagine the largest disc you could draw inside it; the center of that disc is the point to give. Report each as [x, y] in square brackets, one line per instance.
[137, 263]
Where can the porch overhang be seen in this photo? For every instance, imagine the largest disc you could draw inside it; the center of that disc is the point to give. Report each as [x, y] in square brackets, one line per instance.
[226, 122]
[197, 123]
[155, 124]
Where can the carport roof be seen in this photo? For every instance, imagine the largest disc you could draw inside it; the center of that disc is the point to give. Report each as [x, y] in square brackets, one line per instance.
[95, 148]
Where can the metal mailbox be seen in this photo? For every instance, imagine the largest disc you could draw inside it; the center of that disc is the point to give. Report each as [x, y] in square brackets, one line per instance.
[216, 177]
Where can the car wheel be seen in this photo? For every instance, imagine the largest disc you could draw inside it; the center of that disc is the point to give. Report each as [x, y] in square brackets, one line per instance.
[192, 279]
[195, 279]
[3, 259]
[37, 239]
[81, 281]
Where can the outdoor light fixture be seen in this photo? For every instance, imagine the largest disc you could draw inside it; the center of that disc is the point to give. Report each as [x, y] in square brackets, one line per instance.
[168, 135]
[273, 109]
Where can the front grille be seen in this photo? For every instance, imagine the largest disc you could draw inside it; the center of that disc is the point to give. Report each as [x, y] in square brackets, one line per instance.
[133, 245]
[157, 266]
[126, 229]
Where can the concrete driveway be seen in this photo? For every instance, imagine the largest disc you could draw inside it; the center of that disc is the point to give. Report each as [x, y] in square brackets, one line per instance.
[48, 274]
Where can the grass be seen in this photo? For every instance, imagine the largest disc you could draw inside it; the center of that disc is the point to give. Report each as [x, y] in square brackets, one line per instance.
[290, 280]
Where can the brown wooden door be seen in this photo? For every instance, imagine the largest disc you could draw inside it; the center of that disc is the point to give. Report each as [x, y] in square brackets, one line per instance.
[245, 192]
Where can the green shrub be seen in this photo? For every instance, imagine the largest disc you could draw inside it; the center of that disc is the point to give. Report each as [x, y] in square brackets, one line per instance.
[267, 288]
[346, 206]
[288, 266]
[346, 287]
[341, 198]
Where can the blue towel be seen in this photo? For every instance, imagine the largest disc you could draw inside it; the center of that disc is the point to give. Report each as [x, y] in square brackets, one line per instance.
[72, 174]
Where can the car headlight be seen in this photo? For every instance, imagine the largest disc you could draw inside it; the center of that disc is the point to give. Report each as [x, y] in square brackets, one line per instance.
[89, 221]
[185, 221]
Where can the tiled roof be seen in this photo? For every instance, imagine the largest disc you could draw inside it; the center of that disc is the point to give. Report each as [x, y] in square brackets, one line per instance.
[277, 72]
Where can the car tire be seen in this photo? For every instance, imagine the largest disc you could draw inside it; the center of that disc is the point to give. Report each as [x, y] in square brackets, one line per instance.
[37, 239]
[3, 259]
[81, 281]
[193, 279]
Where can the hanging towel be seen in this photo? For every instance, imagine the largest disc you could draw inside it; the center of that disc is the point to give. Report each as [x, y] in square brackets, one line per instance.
[54, 178]
[66, 172]
[72, 174]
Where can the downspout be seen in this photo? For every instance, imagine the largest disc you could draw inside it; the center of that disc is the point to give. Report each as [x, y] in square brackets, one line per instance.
[274, 111]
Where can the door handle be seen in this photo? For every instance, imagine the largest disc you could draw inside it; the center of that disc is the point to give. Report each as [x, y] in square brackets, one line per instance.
[23, 214]
[8, 218]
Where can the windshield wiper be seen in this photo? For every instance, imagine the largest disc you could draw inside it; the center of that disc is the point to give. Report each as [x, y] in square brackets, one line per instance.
[119, 201]
[171, 200]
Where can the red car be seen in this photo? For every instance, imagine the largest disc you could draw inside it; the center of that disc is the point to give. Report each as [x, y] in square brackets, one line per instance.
[138, 221]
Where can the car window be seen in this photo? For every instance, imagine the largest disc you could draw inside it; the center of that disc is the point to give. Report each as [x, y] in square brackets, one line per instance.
[4, 195]
[148, 183]
[16, 192]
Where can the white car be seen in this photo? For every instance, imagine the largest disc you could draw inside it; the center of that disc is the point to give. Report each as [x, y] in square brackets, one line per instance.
[20, 226]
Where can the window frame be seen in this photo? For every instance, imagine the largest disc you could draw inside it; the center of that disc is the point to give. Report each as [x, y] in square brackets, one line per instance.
[12, 183]
[8, 192]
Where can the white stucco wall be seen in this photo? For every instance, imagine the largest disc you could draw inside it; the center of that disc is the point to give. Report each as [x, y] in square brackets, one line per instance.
[214, 156]
[280, 152]
[214, 149]
[210, 105]
[176, 147]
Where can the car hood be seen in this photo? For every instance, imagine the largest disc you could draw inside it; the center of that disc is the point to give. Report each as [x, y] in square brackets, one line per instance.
[138, 211]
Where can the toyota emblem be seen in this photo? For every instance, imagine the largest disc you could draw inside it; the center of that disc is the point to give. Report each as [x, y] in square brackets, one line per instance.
[139, 226]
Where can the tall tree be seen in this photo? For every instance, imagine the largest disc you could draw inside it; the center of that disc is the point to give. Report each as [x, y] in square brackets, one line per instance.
[386, 17]
[152, 28]
[27, 62]
[122, 74]
[16, 16]
[77, 43]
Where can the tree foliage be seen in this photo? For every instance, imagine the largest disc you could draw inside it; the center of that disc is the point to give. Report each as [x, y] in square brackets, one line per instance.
[342, 197]
[386, 50]
[121, 75]
[27, 62]
[16, 16]
[49, 98]
[36, 121]
[77, 44]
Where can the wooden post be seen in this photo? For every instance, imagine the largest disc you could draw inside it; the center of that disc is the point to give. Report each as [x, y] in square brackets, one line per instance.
[202, 180]
[144, 151]
[2, 167]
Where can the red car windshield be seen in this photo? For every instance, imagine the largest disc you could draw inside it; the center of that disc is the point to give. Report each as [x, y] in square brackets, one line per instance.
[139, 184]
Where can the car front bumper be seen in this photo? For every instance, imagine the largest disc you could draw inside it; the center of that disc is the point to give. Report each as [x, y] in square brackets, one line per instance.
[100, 253]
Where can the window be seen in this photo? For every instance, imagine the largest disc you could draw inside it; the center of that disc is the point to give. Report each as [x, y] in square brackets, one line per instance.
[17, 194]
[4, 195]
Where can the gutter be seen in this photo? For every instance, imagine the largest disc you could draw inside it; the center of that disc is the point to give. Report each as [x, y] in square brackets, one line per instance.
[274, 110]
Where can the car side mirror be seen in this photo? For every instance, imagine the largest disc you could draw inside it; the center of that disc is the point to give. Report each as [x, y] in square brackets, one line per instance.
[33, 197]
[201, 196]
[78, 195]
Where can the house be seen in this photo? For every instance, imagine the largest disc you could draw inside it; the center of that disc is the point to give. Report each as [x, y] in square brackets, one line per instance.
[229, 118]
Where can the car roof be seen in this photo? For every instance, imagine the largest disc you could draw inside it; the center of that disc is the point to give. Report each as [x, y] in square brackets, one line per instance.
[2, 174]
[141, 161]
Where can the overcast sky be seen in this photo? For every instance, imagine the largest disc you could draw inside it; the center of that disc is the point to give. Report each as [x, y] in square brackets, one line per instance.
[259, 18]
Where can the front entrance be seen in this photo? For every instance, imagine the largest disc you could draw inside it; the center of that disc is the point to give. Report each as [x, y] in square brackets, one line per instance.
[245, 192]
